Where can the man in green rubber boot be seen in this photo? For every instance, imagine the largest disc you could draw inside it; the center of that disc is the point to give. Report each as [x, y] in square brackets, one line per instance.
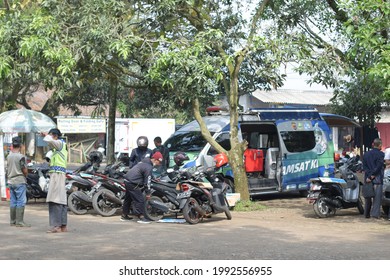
[16, 176]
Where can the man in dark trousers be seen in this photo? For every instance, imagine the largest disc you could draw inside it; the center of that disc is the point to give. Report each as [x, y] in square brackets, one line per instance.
[373, 165]
[136, 178]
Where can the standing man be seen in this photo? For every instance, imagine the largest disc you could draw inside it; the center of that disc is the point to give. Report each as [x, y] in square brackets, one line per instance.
[16, 176]
[163, 150]
[56, 196]
[373, 162]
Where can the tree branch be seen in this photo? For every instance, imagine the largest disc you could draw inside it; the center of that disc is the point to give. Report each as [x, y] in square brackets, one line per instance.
[203, 128]
[340, 15]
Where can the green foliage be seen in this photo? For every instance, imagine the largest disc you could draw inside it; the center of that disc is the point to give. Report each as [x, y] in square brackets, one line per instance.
[369, 27]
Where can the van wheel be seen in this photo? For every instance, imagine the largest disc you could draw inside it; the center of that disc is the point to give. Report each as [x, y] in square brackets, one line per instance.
[230, 188]
[385, 209]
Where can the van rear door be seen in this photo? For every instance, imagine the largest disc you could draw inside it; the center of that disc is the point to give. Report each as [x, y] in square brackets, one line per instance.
[299, 161]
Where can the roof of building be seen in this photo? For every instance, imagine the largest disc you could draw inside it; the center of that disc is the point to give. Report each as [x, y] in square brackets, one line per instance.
[288, 96]
[40, 97]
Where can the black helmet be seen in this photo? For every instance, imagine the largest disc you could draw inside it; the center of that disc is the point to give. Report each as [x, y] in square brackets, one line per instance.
[179, 158]
[55, 131]
[142, 142]
[95, 157]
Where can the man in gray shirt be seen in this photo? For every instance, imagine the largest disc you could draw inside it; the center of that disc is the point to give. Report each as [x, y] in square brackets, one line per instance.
[16, 176]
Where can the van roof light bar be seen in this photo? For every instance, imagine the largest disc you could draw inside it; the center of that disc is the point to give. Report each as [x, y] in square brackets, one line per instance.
[217, 110]
[285, 114]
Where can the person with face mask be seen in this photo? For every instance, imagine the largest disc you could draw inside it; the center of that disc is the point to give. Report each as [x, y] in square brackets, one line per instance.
[140, 152]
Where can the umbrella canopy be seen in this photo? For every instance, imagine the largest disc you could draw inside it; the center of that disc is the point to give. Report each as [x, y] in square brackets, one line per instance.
[23, 120]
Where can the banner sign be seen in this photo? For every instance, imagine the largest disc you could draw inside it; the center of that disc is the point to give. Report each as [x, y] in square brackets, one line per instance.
[81, 125]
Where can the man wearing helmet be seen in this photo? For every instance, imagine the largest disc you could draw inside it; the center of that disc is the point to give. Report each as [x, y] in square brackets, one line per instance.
[140, 152]
[56, 195]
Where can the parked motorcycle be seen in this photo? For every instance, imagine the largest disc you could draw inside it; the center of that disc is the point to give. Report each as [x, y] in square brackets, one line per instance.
[85, 186]
[386, 193]
[203, 199]
[331, 194]
[37, 181]
[82, 184]
[109, 197]
[161, 195]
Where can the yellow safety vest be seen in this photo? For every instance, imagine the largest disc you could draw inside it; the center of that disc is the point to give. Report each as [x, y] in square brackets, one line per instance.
[59, 159]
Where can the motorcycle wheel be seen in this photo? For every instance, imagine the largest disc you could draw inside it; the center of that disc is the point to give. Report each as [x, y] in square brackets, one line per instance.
[227, 211]
[75, 206]
[103, 206]
[360, 206]
[322, 209]
[151, 212]
[190, 214]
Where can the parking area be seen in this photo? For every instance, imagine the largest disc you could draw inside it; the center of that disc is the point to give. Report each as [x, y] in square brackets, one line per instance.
[286, 230]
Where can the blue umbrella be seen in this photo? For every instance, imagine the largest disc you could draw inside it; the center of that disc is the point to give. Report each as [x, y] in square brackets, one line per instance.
[25, 121]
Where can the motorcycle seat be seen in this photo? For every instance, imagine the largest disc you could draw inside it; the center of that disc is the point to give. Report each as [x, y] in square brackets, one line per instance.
[166, 184]
[203, 185]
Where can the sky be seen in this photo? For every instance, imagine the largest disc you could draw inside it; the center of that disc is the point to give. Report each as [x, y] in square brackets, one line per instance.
[299, 82]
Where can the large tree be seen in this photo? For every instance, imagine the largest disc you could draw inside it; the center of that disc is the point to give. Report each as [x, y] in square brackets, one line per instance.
[206, 57]
[87, 52]
[218, 49]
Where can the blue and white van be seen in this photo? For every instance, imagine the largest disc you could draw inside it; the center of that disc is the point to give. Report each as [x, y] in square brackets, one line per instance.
[286, 147]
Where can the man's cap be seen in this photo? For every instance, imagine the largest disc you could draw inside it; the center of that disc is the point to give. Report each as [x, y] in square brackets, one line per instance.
[157, 156]
[55, 131]
[16, 141]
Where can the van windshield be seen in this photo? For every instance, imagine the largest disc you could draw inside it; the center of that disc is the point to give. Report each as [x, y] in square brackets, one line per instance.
[298, 141]
[188, 141]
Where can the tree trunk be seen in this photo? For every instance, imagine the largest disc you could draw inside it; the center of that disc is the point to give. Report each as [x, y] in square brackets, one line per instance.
[111, 123]
[236, 161]
[236, 154]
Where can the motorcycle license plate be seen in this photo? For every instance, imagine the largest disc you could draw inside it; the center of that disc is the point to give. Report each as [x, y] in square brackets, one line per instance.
[312, 197]
[183, 195]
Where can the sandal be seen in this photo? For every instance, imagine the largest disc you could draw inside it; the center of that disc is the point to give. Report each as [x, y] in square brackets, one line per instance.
[54, 230]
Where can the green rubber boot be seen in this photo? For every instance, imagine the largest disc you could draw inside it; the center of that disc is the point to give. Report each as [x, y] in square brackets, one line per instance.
[12, 216]
[19, 218]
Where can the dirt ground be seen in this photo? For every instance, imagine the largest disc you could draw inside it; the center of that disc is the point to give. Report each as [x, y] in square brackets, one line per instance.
[287, 229]
[293, 213]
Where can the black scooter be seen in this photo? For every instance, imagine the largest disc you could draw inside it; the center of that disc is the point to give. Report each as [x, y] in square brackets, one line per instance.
[330, 194]
[37, 181]
[161, 195]
[204, 199]
[110, 196]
